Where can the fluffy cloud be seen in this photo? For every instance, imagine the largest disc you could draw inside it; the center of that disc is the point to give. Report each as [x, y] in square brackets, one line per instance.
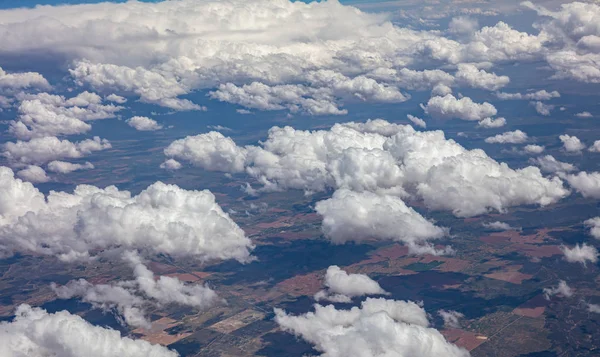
[341, 286]
[11, 82]
[469, 74]
[130, 297]
[366, 157]
[534, 149]
[449, 107]
[594, 225]
[562, 289]
[571, 143]
[580, 254]
[36, 333]
[509, 137]
[584, 115]
[46, 114]
[170, 164]
[63, 167]
[595, 147]
[143, 123]
[417, 121]
[549, 164]
[353, 216]
[492, 123]
[451, 318]
[588, 184]
[498, 226]
[161, 219]
[541, 108]
[49, 148]
[34, 174]
[536, 96]
[378, 327]
[116, 98]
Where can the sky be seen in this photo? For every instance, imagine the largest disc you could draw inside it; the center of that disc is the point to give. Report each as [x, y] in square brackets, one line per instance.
[124, 124]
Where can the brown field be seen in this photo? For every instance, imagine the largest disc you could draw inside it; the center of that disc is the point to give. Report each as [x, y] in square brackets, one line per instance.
[466, 339]
[157, 334]
[510, 274]
[190, 277]
[534, 308]
[307, 284]
[237, 321]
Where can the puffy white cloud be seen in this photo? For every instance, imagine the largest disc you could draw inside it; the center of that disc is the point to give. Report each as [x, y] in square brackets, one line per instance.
[50, 148]
[378, 327]
[499, 226]
[584, 115]
[580, 254]
[34, 174]
[417, 121]
[463, 25]
[36, 333]
[353, 216]
[161, 219]
[212, 151]
[492, 123]
[46, 114]
[341, 286]
[469, 74]
[570, 64]
[116, 98]
[534, 149]
[509, 137]
[595, 147]
[11, 82]
[537, 96]
[549, 164]
[170, 164]
[451, 318]
[571, 143]
[594, 225]
[541, 108]
[449, 107]
[562, 289]
[588, 184]
[130, 297]
[375, 156]
[63, 167]
[143, 123]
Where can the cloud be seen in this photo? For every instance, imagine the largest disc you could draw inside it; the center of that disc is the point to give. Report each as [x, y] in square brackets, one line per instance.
[449, 107]
[378, 157]
[46, 114]
[378, 327]
[588, 184]
[463, 25]
[352, 216]
[143, 123]
[562, 289]
[584, 115]
[594, 308]
[499, 226]
[218, 128]
[130, 297]
[12, 82]
[170, 164]
[34, 332]
[509, 137]
[469, 74]
[50, 148]
[451, 318]
[580, 254]
[534, 149]
[63, 167]
[160, 219]
[571, 143]
[341, 286]
[489, 123]
[116, 98]
[34, 174]
[595, 147]
[594, 225]
[417, 121]
[541, 108]
[549, 164]
[537, 96]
